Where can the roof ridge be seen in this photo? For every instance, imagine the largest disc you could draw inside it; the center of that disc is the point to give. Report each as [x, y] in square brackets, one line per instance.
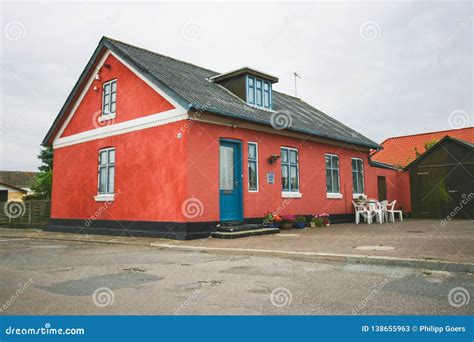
[426, 133]
[159, 54]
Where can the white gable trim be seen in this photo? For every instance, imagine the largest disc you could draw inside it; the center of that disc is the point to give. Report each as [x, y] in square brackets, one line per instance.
[158, 119]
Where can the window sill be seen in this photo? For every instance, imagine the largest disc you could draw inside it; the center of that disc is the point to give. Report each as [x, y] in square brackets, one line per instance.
[104, 198]
[107, 117]
[356, 196]
[333, 195]
[288, 194]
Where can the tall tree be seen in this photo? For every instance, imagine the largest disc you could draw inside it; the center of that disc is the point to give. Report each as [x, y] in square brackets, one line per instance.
[43, 182]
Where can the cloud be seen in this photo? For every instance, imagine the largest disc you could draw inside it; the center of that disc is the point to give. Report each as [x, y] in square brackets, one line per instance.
[408, 79]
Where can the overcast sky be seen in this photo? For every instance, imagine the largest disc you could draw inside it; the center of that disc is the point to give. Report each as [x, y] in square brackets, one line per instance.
[385, 69]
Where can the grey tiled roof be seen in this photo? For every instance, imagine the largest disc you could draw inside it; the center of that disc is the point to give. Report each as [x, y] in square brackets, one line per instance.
[188, 84]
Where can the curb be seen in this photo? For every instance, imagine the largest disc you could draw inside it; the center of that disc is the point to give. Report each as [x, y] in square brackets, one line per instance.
[435, 265]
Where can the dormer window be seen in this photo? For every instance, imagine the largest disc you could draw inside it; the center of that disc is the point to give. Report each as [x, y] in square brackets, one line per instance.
[252, 86]
[259, 92]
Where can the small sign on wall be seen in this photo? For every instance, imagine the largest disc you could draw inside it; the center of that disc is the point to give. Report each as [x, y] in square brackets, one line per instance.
[270, 177]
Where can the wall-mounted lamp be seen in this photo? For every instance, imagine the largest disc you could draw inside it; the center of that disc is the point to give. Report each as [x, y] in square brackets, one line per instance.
[273, 158]
[97, 77]
[96, 89]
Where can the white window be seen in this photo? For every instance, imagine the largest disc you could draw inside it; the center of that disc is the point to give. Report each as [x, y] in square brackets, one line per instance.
[253, 166]
[357, 176]
[332, 174]
[106, 171]
[289, 170]
[109, 98]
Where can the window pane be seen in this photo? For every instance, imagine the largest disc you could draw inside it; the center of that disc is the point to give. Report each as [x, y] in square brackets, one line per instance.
[284, 155]
[335, 180]
[113, 97]
[102, 180]
[251, 96]
[361, 182]
[252, 175]
[294, 178]
[226, 179]
[354, 165]
[355, 187]
[111, 180]
[103, 158]
[112, 108]
[258, 94]
[266, 86]
[293, 157]
[106, 88]
[284, 178]
[266, 99]
[252, 151]
[328, 181]
[328, 161]
[112, 157]
[335, 162]
[114, 86]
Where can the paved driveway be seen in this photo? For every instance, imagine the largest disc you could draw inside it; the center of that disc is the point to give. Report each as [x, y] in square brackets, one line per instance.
[418, 239]
[64, 277]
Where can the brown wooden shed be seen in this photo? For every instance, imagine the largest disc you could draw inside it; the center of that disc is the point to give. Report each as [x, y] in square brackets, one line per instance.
[442, 181]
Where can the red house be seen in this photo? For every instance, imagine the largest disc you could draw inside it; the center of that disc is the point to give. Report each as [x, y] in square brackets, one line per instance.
[147, 145]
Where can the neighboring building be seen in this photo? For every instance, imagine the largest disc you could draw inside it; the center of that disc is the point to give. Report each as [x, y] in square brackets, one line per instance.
[442, 181]
[401, 151]
[147, 145]
[15, 184]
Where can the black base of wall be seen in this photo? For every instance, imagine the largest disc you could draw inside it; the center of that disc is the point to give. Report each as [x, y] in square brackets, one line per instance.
[167, 230]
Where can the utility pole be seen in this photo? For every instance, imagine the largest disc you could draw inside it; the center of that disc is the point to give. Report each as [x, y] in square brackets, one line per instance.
[296, 76]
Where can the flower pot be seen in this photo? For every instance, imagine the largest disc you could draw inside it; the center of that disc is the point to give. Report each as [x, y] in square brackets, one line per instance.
[272, 225]
[300, 225]
[287, 226]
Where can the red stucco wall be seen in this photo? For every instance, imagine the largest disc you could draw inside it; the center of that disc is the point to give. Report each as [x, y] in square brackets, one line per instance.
[203, 161]
[149, 177]
[134, 99]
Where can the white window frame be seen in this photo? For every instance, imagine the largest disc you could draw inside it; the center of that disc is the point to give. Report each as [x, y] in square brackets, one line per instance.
[333, 195]
[108, 115]
[357, 194]
[107, 196]
[256, 165]
[291, 193]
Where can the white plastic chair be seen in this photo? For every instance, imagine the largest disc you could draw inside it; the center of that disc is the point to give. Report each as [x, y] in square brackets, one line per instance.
[361, 210]
[384, 205]
[375, 209]
[391, 211]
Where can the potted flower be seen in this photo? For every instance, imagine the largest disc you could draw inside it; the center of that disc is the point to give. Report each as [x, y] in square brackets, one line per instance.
[271, 220]
[287, 221]
[325, 218]
[360, 200]
[300, 222]
[317, 221]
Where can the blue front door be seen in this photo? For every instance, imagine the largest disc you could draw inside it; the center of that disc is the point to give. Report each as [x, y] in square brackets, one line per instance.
[230, 181]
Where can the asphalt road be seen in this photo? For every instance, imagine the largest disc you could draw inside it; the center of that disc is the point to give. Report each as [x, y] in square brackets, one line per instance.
[45, 277]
